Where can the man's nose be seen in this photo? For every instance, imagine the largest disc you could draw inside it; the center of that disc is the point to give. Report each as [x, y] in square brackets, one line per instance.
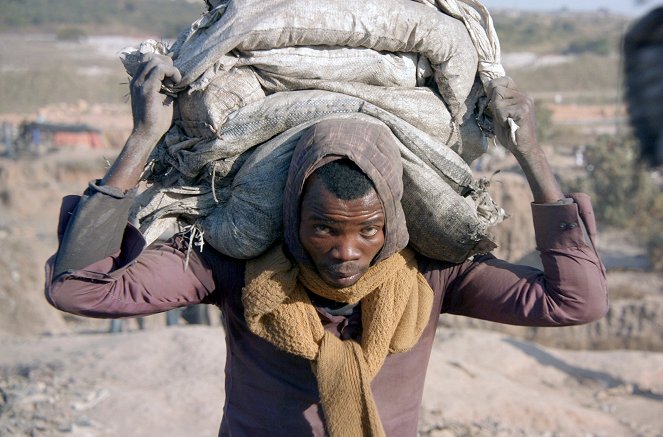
[346, 249]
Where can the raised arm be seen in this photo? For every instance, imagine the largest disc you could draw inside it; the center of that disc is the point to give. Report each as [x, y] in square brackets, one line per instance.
[507, 101]
[95, 231]
[152, 116]
[101, 269]
[571, 289]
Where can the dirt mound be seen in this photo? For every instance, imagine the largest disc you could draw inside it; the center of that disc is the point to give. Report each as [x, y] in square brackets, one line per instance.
[23, 310]
[486, 384]
[162, 382]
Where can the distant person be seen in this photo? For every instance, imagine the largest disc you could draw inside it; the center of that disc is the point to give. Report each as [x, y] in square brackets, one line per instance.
[118, 325]
[579, 155]
[643, 74]
[36, 138]
[8, 139]
[330, 331]
[193, 315]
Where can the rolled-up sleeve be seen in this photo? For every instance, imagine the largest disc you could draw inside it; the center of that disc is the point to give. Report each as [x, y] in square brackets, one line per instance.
[102, 268]
[570, 290]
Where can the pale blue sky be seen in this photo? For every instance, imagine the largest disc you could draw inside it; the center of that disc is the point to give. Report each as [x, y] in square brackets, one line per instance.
[626, 7]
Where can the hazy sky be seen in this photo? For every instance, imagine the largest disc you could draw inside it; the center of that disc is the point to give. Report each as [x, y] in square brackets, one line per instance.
[626, 7]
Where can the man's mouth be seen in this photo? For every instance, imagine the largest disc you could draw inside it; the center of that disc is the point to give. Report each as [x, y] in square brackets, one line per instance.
[343, 270]
[343, 276]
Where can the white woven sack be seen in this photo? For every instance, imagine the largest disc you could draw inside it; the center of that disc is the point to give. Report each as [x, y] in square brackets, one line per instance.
[247, 67]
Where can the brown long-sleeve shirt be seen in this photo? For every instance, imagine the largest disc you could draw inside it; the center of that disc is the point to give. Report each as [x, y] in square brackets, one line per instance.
[271, 392]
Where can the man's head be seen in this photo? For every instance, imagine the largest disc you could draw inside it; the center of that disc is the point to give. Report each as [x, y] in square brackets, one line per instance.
[346, 173]
[341, 222]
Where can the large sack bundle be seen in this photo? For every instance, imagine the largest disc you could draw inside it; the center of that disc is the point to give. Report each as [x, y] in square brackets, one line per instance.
[256, 73]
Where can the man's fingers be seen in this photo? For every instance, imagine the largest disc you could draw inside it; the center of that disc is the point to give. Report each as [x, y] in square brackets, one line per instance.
[509, 108]
[501, 102]
[504, 81]
[173, 75]
[499, 87]
[157, 71]
[500, 93]
[506, 101]
[159, 67]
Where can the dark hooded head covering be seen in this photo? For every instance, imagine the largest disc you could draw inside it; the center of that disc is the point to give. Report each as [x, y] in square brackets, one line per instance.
[374, 149]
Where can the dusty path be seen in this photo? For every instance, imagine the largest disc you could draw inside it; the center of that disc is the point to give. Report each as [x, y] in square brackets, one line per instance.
[169, 382]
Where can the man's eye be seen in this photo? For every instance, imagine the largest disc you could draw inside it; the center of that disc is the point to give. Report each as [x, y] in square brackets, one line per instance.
[370, 231]
[321, 229]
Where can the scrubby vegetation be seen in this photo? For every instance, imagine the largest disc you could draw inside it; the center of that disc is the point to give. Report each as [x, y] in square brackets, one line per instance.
[563, 32]
[545, 130]
[162, 17]
[588, 37]
[587, 73]
[543, 33]
[626, 192]
[70, 34]
[26, 91]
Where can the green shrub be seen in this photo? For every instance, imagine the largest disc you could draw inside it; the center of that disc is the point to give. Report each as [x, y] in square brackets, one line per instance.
[545, 128]
[555, 32]
[71, 34]
[584, 73]
[600, 46]
[166, 18]
[625, 193]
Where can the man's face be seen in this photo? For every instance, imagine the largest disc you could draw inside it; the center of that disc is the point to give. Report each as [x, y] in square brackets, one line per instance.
[340, 236]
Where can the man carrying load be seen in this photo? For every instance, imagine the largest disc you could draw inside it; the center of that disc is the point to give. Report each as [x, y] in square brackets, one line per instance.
[330, 331]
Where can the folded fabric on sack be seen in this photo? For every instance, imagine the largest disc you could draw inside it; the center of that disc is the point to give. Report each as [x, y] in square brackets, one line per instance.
[256, 73]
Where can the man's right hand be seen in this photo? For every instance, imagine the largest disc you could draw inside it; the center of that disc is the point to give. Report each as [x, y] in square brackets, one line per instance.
[152, 114]
[152, 109]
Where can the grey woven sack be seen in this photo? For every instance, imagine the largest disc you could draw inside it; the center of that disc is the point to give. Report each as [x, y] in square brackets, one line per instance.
[253, 80]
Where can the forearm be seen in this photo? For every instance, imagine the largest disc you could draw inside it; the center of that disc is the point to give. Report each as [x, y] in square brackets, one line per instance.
[152, 116]
[94, 229]
[135, 282]
[102, 268]
[539, 174]
[508, 105]
[127, 169]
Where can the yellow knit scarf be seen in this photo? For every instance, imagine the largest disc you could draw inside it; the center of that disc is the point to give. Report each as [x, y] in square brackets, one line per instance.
[396, 303]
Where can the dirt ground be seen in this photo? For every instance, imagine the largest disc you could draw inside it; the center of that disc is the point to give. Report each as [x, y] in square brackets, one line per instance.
[169, 382]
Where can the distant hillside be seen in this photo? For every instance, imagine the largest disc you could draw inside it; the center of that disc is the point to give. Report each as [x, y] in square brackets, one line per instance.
[76, 41]
[165, 18]
[558, 32]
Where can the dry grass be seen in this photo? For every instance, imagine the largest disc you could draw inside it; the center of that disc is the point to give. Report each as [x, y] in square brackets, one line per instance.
[37, 70]
[595, 79]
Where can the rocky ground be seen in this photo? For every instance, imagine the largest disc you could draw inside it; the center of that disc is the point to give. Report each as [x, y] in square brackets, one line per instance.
[169, 382]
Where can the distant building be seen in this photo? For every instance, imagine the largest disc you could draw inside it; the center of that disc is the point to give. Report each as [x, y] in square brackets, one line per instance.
[57, 136]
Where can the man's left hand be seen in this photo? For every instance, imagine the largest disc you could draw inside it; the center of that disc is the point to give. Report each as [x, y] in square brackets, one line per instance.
[507, 101]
